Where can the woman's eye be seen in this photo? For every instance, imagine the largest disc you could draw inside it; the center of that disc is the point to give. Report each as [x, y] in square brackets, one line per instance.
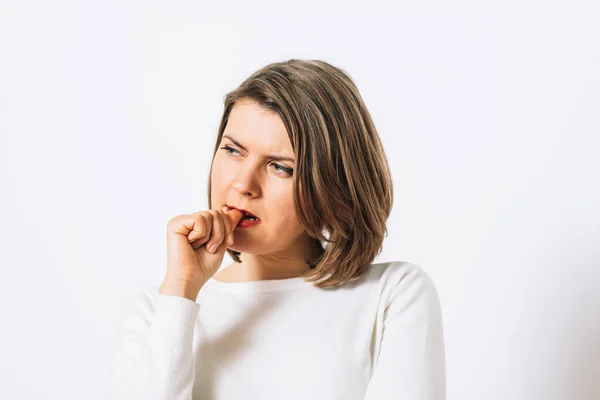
[228, 149]
[279, 168]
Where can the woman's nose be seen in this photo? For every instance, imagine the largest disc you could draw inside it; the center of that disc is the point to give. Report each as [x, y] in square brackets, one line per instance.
[246, 181]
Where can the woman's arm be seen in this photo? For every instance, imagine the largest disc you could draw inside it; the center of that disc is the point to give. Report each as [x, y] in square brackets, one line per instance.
[153, 357]
[411, 364]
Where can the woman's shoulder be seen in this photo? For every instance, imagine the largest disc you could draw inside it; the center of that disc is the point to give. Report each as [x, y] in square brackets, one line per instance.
[402, 281]
[393, 272]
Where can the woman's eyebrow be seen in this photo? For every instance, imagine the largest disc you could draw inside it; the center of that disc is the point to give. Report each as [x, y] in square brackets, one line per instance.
[274, 156]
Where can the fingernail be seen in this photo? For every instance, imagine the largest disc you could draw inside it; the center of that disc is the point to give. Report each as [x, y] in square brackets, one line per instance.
[230, 239]
[212, 248]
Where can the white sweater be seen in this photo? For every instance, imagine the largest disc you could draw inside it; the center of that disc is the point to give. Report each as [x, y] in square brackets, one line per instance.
[378, 337]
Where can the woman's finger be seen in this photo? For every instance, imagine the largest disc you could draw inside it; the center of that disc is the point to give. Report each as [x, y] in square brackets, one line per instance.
[218, 231]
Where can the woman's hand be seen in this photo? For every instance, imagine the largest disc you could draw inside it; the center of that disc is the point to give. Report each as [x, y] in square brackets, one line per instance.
[191, 260]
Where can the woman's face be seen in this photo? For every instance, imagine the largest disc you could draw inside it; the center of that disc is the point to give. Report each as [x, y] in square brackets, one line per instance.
[246, 175]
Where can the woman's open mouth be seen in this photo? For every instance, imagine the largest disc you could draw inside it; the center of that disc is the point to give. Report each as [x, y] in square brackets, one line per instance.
[247, 220]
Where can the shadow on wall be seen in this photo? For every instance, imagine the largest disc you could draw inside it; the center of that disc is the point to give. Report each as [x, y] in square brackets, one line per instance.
[580, 346]
[578, 350]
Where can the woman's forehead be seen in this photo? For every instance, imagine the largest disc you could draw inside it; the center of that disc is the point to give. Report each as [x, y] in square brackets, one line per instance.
[255, 130]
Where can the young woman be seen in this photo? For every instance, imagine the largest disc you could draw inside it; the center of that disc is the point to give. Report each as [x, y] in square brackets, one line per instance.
[301, 191]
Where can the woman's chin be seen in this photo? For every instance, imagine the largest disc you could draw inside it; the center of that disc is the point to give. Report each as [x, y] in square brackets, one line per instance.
[245, 245]
[236, 247]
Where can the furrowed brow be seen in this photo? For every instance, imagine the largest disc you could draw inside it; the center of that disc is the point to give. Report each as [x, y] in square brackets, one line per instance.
[273, 156]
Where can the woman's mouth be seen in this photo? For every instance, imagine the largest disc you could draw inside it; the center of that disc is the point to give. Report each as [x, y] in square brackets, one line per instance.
[247, 215]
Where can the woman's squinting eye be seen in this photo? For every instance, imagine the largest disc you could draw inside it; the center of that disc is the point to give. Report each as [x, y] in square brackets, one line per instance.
[278, 167]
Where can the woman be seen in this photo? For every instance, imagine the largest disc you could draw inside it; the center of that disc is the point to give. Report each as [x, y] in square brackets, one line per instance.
[301, 191]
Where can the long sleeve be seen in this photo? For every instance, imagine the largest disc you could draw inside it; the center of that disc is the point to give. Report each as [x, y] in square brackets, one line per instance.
[153, 357]
[411, 362]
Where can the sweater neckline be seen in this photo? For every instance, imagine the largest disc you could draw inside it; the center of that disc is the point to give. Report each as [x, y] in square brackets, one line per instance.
[267, 285]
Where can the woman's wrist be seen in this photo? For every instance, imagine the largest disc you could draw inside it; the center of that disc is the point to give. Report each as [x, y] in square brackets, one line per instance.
[181, 289]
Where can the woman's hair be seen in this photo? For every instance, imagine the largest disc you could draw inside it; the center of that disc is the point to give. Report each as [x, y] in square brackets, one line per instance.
[342, 182]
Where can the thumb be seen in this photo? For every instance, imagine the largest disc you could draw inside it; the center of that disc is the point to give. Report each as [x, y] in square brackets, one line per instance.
[234, 216]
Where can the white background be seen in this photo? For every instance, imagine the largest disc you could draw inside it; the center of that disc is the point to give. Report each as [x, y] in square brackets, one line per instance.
[488, 110]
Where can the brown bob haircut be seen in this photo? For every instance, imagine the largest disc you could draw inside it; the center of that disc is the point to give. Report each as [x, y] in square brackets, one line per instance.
[343, 189]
